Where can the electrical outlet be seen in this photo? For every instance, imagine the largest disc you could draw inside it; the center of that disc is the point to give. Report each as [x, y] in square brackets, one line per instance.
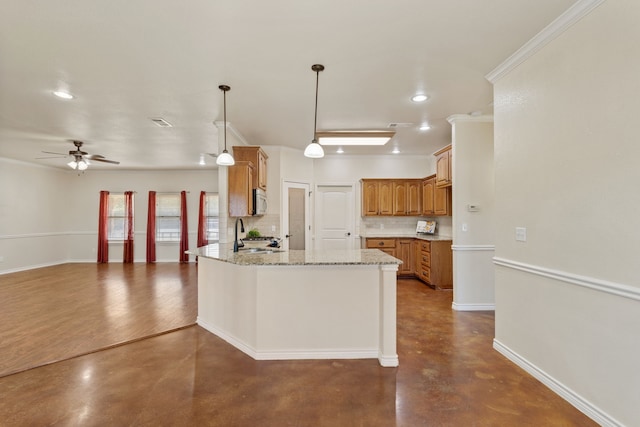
[273, 228]
[521, 234]
[381, 226]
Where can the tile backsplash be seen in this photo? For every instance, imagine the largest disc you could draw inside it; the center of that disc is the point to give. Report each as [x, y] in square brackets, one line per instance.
[402, 225]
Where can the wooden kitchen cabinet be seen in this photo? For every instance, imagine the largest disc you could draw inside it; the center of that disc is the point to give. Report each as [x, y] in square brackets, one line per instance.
[404, 251]
[435, 200]
[428, 188]
[407, 197]
[443, 167]
[442, 201]
[240, 177]
[258, 157]
[386, 245]
[370, 197]
[377, 197]
[436, 263]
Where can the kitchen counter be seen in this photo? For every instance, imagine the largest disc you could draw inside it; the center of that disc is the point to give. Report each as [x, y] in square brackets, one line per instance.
[338, 304]
[224, 252]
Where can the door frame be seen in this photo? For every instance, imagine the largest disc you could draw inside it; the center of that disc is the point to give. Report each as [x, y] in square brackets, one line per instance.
[284, 219]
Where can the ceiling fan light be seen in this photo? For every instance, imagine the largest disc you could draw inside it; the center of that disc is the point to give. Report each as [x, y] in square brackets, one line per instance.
[225, 159]
[73, 164]
[82, 165]
[314, 150]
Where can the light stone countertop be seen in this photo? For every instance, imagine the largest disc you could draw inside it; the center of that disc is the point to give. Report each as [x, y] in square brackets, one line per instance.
[224, 252]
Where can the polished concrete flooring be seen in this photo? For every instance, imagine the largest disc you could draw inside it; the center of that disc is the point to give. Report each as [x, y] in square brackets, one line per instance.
[449, 375]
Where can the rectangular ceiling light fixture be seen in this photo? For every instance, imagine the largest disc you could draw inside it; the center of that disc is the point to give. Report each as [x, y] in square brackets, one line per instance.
[365, 137]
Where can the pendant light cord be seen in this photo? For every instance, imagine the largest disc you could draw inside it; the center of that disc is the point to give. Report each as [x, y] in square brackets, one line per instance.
[224, 98]
[315, 117]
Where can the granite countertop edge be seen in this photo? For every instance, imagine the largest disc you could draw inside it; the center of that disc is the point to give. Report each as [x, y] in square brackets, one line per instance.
[224, 253]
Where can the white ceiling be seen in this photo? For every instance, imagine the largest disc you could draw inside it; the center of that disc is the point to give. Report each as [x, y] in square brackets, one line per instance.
[128, 61]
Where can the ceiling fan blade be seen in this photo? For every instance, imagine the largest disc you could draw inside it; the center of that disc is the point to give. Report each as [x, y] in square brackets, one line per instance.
[52, 152]
[102, 159]
[51, 157]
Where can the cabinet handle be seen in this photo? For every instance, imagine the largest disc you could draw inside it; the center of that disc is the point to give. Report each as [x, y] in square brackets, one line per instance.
[380, 243]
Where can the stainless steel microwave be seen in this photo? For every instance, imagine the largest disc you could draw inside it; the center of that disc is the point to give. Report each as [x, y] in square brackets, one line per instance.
[259, 201]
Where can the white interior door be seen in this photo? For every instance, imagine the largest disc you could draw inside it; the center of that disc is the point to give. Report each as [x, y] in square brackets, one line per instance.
[335, 221]
[296, 230]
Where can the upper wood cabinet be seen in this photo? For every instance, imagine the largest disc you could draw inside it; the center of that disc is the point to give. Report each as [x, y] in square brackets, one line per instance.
[377, 197]
[443, 167]
[370, 197]
[385, 197]
[435, 200]
[241, 188]
[400, 197]
[428, 188]
[258, 157]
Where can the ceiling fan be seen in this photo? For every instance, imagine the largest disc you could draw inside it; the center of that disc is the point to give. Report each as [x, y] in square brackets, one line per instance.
[81, 158]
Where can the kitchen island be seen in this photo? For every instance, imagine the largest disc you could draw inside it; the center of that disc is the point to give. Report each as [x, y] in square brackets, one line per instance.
[310, 304]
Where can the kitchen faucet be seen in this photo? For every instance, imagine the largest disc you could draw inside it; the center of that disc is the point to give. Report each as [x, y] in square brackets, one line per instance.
[235, 240]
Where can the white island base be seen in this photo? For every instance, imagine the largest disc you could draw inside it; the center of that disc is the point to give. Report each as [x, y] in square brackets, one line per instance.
[282, 312]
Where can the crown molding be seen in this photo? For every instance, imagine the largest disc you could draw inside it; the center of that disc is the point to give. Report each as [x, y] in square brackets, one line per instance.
[572, 15]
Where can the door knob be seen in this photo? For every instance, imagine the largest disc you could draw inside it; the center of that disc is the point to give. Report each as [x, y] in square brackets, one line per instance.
[347, 234]
[288, 235]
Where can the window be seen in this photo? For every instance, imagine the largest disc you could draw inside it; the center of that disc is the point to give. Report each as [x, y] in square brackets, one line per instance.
[168, 217]
[212, 214]
[116, 218]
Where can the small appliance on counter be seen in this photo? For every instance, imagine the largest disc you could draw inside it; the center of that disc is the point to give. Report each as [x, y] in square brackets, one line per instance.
[426, 227]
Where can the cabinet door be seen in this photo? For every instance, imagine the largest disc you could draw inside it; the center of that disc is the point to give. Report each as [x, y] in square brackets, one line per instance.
[443, 168]
[428, 187]
[399, 198]
[370, 198]
[385, 197]
[416, 250]
[404, 252]
[262, 170]
[442, 201]
[414, 199]
[240, 188]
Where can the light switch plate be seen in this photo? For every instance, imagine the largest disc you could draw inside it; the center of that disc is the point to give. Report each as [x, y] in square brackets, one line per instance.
[521, 234]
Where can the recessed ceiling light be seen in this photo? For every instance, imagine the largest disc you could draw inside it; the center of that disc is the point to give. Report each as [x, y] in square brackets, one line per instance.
[62, 94]
[425, 126]
[396, 150]
[339, 150]
[419, 97]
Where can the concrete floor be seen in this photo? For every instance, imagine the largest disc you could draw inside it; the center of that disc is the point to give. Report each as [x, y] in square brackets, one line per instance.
[449, 375]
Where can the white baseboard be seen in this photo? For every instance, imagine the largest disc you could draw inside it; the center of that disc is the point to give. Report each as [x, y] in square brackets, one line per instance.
[297, 354]
[556, 386]
[31, 267]
[473, 307]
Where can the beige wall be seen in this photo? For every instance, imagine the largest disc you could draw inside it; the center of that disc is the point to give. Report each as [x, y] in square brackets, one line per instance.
[49, 216]
[568, 299]
[473, 231]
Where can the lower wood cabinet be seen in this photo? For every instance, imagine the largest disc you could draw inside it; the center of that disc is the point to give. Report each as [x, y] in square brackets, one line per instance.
[429, 260]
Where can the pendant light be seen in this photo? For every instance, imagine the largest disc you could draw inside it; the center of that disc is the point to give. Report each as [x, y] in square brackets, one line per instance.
[314, 150]
[225, 159]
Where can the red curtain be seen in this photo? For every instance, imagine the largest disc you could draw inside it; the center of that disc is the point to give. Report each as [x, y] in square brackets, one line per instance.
[202, 220]
[151, 228]
[103, 214]
[127, 256]
[184, 233]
